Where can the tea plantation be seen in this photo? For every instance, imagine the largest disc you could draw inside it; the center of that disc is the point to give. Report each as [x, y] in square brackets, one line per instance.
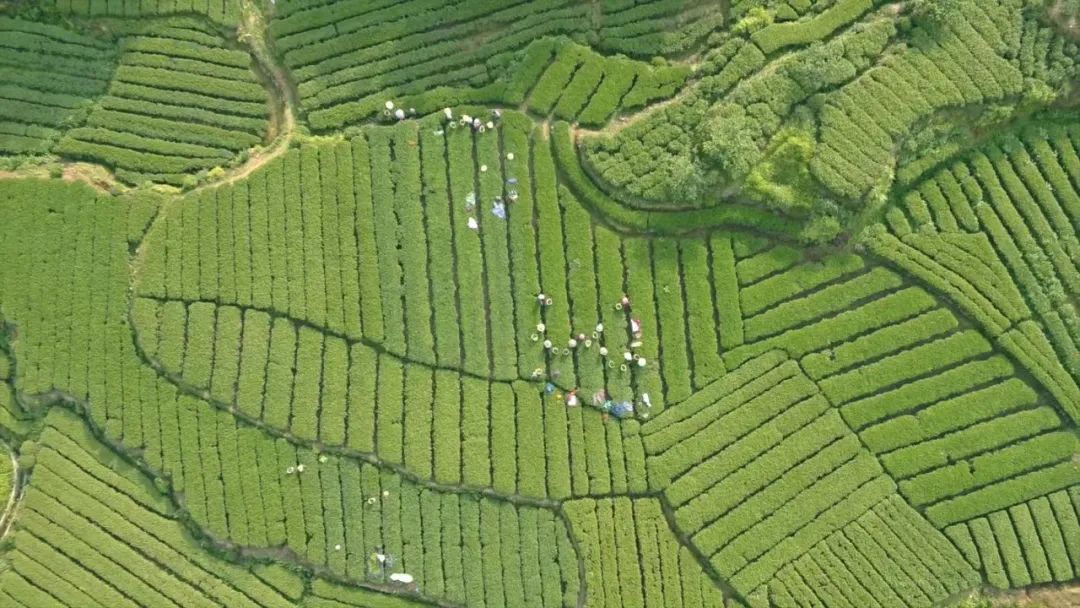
[553, 303]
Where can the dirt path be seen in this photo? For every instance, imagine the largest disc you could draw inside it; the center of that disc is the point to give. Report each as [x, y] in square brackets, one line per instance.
[252, 33]
[11, 507]
[621, 122]
[96, 176]
[1046, 596]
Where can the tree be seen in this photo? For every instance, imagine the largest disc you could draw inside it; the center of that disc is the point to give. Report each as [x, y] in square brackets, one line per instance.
[729, 140]
[686, 181]
[755, 19]
[819, 230]
[783, 181]
[935, 15]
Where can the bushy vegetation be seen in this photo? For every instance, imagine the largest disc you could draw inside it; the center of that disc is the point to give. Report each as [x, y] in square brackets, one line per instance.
[623, 303]
[863, 79]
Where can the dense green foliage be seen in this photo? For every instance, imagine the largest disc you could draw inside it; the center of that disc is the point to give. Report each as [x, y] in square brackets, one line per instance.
[862, 88]
[621, 303]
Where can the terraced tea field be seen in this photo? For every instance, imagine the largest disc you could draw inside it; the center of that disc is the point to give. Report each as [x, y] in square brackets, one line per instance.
[588, 303]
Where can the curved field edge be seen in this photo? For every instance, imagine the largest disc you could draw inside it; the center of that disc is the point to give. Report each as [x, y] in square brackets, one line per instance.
[658, 222]
[311, 581]
[91, 505]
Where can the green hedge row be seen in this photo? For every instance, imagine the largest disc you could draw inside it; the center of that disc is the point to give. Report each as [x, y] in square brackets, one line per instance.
[988, 468]
[890, 370]
[196, 67]
[768, 263]
[915, 459]
[173, 97]
[854, 500]
[830, 331]
[231, 90]
[763, 457]
[1012, 553]
[727, 428]
[551, 85]
[1000, 495]
[804, 277]
[878, 343]
[579, 90]
[438, 211]
[671, 315]
[640, 285]
[136, 144]
[280, 363]
[619, 79]
[224, 12]
[633, 559]
[517, 139]
[468, 253]
[1032, 350]
[129, 116]
[198, 49]
[780, 35]
[413, 248]
[704, 346]
[491, 184]
[675, 425]
[1066, 520]
[830, 299]
[953, 413]
[385, 227]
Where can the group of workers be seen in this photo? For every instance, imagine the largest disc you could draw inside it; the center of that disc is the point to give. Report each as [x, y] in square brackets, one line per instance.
[381, 564]
[619, 409]
[510, 195]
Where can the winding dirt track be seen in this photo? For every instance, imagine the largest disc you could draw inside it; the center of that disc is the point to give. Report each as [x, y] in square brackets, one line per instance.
[11, 507]
[252, 32]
